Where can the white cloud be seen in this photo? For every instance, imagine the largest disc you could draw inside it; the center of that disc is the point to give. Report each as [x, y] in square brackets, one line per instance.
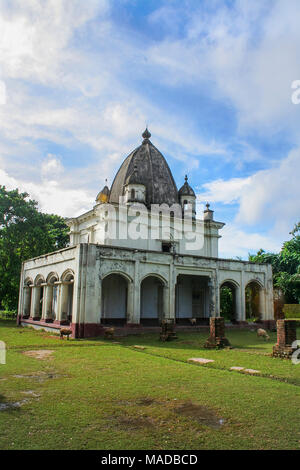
[268, 197]
[237, 242]
[52, 196]
[248, 53]
[2, 93]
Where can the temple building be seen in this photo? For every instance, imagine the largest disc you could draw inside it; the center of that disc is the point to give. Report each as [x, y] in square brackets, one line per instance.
[138, 256]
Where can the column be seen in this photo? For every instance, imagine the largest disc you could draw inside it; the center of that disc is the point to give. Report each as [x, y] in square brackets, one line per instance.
[62, 310]
[212, 297]
[166, 302]
[286, 338]
[35, 303]
[136, 317]
[27, 302]
[130, 303]
[243, 299]
[262, 304]
[48, 303]
[238, 304]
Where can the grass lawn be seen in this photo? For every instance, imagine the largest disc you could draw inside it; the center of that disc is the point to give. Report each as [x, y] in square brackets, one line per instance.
[97, 394]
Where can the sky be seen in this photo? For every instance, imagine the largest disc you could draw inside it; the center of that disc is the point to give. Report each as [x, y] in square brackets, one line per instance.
[212, 79]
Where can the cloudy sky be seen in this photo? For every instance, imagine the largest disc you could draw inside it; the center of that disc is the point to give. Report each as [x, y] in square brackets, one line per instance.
[79, 81]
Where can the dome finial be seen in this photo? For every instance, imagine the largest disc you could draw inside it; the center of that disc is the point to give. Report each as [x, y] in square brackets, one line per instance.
[186, 178]
[146, 134]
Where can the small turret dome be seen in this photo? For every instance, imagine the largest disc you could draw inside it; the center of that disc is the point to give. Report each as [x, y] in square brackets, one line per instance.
[103, 196]
[186, 189]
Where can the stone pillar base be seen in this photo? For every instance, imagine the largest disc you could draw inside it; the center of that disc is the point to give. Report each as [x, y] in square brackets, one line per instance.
[286, 335]
[133, 325]
[217, 334]
[283, 352]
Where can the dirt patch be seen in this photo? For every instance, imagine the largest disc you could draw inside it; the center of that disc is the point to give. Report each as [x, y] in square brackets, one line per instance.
[200, 413]
[39, 376]
[41, 354]
[131, 423]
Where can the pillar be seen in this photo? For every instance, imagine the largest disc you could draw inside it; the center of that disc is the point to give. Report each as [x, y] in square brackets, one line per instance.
[62, 307]
[35, 303]
[286, 335]
[48, 303]
[130, 303]
[238, 304]
[262, 304]
[217, 334]
[212, 297]
[166, 302]
[27, 302]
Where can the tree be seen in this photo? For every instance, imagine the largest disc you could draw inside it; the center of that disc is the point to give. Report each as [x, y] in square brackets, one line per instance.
[286, 266]
[24, 233]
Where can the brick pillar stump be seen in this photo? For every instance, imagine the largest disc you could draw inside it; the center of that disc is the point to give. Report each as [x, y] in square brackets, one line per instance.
[217, 334]
[286, 335]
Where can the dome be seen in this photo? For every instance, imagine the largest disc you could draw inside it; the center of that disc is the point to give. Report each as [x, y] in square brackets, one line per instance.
[103, 196]
[147, 166]
[186, 189]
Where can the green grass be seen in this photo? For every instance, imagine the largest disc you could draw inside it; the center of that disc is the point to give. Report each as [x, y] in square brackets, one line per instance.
[94, 394]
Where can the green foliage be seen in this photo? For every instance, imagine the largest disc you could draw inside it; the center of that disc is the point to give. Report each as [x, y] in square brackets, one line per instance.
[286, 266]
[226, 303]
[291, 311]
[24, 233]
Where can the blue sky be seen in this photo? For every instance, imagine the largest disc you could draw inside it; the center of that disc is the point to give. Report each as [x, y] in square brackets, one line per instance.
[79, 81]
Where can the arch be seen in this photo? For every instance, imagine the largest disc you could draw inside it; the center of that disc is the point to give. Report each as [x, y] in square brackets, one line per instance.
[229, 302]
[120, 273]
[230, 281]
[151, 290]
[255, 281]
[39, 279]
[50, 278]
[158, 276]
[28, 282]
[254, 300]
[192, 298]
[114, 298]
[67, 275]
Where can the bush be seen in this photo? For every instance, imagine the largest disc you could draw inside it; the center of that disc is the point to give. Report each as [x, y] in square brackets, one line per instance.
[291, 310]
[5, 315]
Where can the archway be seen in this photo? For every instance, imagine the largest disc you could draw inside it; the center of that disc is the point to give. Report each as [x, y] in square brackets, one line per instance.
[254, 301]
[67, 291]
[228, 301]
[192, 299]
[152, 300]
[51, 301]
[27, 298]
[38, 298]
[114, 299]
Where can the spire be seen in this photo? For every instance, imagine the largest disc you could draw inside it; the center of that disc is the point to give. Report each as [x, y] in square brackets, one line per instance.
[146, 136]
